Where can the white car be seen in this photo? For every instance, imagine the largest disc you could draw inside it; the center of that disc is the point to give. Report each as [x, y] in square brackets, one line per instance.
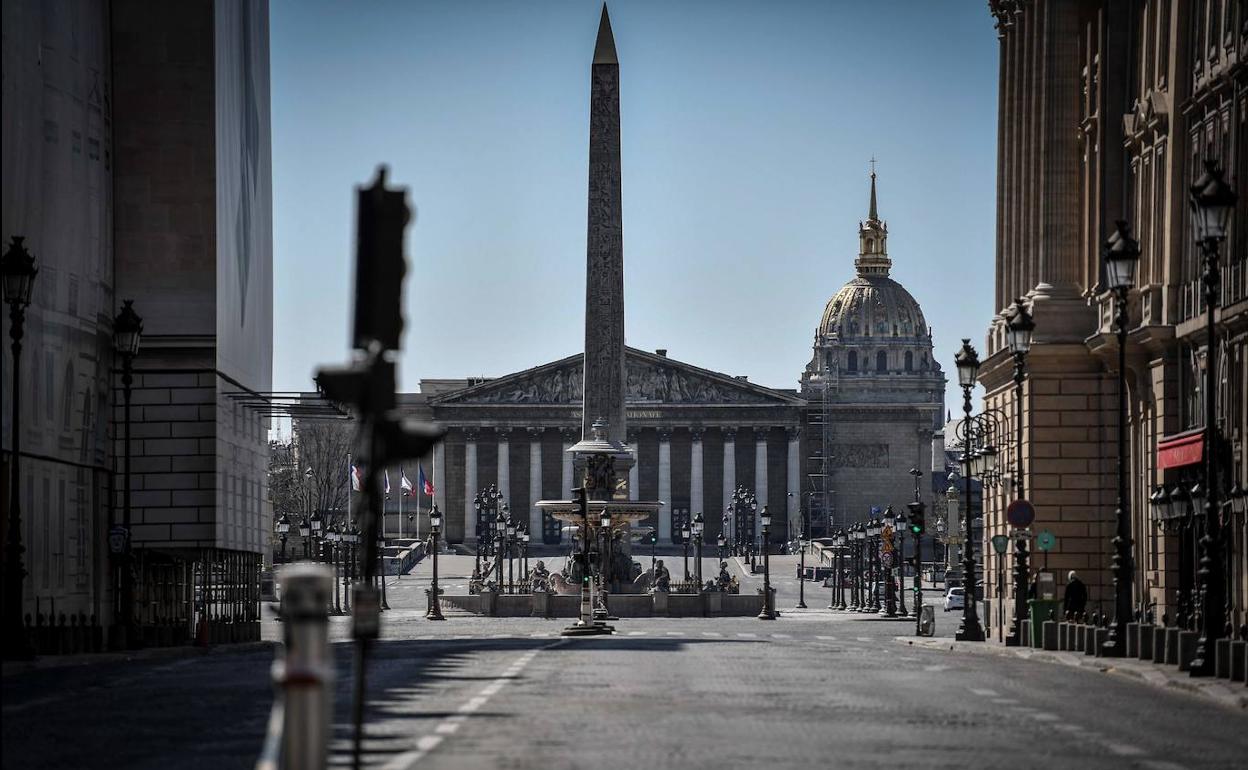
[954, 599]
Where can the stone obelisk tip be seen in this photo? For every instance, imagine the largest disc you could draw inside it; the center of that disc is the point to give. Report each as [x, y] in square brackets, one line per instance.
[604, 51]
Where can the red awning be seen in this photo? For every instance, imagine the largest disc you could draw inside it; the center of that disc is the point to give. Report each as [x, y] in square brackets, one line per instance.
[1181, 450]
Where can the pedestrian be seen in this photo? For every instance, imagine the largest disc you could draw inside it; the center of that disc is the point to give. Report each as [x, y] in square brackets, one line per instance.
[1075, 600]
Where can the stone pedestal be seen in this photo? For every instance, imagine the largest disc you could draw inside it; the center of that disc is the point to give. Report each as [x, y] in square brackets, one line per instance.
[1172, 646]
[541, 605]
[489, 602]
[1049, 630]
[1239, 660]
[1222, 659]
[1160, 634]
[660, 603]
[1144, 642]
[714, 602]
[1186, 649]
[1133, 640]
[1096, 641]
[1063, 643]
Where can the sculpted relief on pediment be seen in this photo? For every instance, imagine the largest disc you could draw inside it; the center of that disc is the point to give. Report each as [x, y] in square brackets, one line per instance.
[645, 383]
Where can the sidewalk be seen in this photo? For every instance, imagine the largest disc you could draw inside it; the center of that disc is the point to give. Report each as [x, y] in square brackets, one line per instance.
[1230, 695]
[11, 668]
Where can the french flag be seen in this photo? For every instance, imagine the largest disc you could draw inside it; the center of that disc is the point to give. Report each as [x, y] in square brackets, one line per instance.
[357, 480]
[425, 484]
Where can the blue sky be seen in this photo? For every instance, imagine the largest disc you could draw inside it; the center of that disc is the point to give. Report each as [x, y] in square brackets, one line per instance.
[747, 129]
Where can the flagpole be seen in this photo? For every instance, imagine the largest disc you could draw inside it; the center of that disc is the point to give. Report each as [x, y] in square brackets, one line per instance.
[350, 488]
[401, 477]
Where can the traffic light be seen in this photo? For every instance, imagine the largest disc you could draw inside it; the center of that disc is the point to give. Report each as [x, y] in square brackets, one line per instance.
[917, 512]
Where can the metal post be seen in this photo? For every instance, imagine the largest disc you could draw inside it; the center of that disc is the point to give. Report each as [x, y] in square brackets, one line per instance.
[1211, 582]
[918, 583]
[1020, 541]
[435, 606]
[970, 629]
[768, 613]
[304, 672]
[697, 564]
[16, 644]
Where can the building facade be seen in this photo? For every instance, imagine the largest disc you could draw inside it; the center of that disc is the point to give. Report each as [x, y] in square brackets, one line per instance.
[1107, 110]
[136, 167]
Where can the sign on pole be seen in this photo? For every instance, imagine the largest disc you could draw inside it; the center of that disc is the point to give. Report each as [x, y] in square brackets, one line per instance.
[1020, 514]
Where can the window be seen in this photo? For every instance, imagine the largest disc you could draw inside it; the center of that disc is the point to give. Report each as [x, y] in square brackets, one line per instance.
[881, 362]
[909, 361]
[852, 361]
[870, 245]
[67, 398]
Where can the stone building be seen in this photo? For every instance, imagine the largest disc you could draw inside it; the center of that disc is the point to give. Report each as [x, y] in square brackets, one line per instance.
[136, 166]
[1106, 110]
[699, 434]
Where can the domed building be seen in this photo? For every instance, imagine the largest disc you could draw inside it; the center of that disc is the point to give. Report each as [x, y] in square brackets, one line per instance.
[874, 390]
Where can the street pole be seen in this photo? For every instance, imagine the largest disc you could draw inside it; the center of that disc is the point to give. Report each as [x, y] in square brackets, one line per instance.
[767, 613]
[1019, 328]
[435, 526]
[801, 568]
[970, 630]
[19, 272]
[126, 610]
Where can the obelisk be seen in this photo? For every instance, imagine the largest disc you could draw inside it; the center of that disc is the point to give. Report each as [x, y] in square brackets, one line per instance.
[604, 254]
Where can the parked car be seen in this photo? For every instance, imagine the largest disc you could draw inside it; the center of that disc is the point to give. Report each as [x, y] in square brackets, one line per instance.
[954, 599]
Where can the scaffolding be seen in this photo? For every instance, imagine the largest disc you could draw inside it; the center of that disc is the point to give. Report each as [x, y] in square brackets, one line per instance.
[819, 424]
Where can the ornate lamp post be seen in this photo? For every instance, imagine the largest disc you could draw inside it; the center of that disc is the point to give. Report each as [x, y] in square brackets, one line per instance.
[381, 567]
[874, 530]
[767, 613]
[486, 501]
[1122, 255]
[283, 529]
[900, 560]
[838, 571]
[333, 539]
[305, 532]
[351, 538]
[698, 526]
[314, 524]
[435, 527]
[500, 534]
[18, 271]
[889, 531]
[721, 543]
[1213, 202]
[801, 566]
[970, 630]
[1019, 327]
[511, 551]
[685, 534]
[855, 568]
[604, 525]
[127, 331]
[524, 553]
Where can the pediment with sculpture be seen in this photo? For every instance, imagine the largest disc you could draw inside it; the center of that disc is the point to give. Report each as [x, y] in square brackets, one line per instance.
[649, 379]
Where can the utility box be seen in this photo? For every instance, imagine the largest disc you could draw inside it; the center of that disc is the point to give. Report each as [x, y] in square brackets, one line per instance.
[1046, 588]
[1040, 610]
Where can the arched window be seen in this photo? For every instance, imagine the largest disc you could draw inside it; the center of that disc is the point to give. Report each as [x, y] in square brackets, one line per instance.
[909, 361]
[870, 245]
[852, 361]
[881, 362]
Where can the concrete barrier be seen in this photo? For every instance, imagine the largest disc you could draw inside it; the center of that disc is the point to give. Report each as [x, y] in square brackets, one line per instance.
[1187, 649]
[1144, 642]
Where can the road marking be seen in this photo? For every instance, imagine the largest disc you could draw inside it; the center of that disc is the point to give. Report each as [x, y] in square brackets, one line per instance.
[1005, 701]
[936, 668]
[865, 639]
[636, 633]
[711, 633]
[1044, 716]
[451, 724]
[781, 636]
[1161, 764]
[1124, 750]
[747, 636]
[826, 638]
[986, 693]
[675, 633]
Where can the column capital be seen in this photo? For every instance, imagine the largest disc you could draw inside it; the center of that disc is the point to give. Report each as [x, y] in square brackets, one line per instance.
[695, 433]
[730, 433]
[568, 435]
[793, 432]
[665, 434]
[535, 434]
[472, 434]
[504, 435]
[761, 431]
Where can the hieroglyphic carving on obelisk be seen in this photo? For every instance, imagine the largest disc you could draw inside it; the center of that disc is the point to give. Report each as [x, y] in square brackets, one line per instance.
[604, 262]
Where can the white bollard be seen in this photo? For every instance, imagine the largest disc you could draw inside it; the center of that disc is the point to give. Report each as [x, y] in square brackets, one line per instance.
[305, 672]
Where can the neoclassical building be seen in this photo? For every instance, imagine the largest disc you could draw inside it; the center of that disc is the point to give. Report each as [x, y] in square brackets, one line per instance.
[1138, 94]
[868, 402]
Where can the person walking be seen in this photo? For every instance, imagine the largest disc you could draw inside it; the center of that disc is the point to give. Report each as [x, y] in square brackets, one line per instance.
[1075, 599]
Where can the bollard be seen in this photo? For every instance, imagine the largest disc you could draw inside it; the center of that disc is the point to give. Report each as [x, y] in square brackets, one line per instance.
[1049, 634]
[1133, 640]
[1159, 644]
[1187, 649]
[304, 672]
[1144, 646]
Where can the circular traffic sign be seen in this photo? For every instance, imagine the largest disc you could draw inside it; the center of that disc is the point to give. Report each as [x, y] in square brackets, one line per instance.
[1046, 540]
[1020, 514]
[1000, 543]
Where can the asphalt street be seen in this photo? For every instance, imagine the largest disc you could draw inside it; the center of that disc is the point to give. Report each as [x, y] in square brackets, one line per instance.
[812, 688]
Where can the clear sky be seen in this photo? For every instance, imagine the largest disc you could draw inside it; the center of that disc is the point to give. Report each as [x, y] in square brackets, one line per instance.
[747, 130]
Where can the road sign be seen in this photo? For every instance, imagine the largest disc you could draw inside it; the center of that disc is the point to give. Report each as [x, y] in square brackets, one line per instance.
[1020, 514]
[1046, 540]
[1000, 543]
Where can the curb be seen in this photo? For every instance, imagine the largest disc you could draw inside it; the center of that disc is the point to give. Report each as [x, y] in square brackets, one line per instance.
[1147, 673]
[149, 654]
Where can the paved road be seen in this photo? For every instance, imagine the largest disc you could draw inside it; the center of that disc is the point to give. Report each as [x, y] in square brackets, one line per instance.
[813, 688]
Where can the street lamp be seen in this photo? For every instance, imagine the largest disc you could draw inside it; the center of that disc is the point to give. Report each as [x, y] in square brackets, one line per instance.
[511, 541]
[1213, 202]
[127, 331]
[900, 559]
[283, 529]
[1122, 255]
[1019, 328]
[381, 567]
[18, 271]
[486, 501]
[604, 523]
[684, 539]
[305, 532]
[721, 543]
[350, 537]
[970, 630]
[333, 539]
[435, 526]
[874, 530]
[524, 553]
[767, 612]
[889, 531]
[698, 528]
[801, 565]
[856, 536]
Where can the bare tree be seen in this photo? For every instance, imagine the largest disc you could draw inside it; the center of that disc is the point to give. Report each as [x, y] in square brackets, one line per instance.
[321, 450]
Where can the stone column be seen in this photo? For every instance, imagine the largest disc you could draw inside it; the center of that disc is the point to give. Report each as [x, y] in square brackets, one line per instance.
[794, 481]
[760, 477]
[535, 483]
[567, 481]
[730, 474]
[504, 464]
[470, 486]
[634, 477]
[665, 485]
[695, 474]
